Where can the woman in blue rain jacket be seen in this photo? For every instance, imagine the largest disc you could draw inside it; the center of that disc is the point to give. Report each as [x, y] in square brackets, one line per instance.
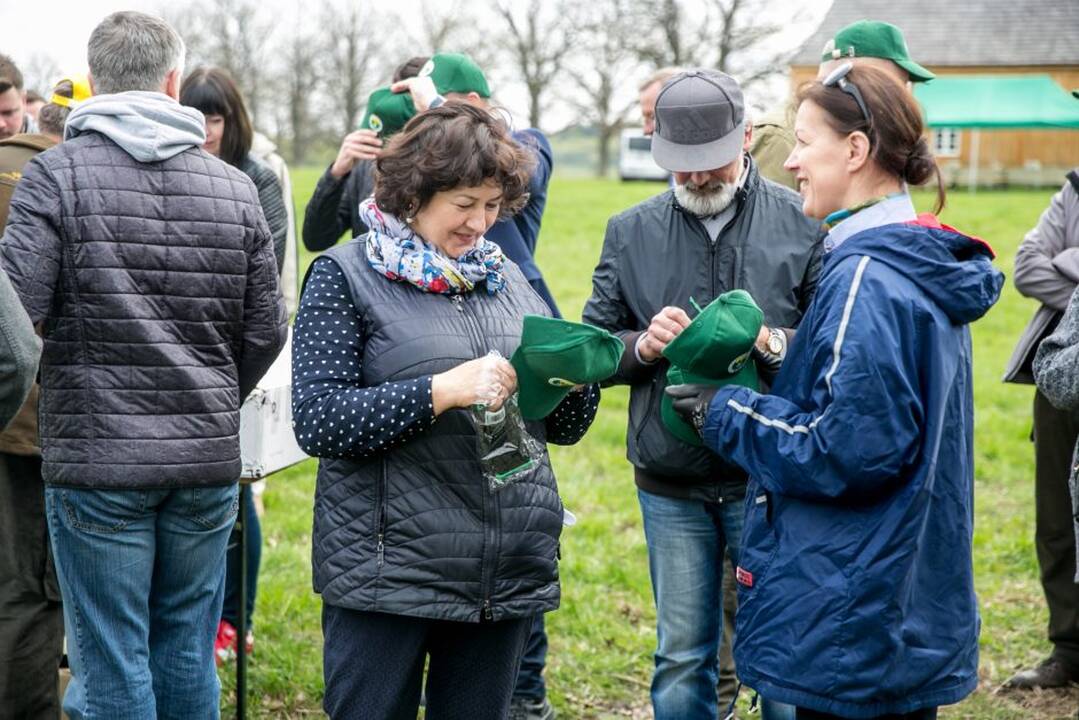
[856, 582]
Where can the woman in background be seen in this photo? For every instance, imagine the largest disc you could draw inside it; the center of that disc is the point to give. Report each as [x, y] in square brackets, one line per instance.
[229, 136]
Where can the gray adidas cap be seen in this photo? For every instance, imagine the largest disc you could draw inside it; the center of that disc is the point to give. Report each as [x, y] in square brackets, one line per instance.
[700, 122]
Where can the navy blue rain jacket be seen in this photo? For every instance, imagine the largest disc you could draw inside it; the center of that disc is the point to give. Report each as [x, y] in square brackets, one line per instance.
[856, 588]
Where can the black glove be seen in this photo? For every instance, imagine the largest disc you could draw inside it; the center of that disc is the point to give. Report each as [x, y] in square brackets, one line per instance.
[691, 401]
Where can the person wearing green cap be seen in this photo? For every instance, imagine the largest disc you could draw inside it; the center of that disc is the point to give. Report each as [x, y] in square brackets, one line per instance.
[414, 554]
[334, 206]
[866, 43]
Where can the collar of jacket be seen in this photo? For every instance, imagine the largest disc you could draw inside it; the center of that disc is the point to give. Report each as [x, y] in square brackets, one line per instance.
[753, 181]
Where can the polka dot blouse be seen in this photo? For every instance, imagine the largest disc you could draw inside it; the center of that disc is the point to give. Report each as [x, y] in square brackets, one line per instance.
[335, 416]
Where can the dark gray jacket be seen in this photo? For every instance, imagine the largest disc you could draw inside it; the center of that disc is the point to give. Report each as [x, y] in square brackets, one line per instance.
[656, 254]
[414, 530]
[1047, 270]
[272, 201]
[19, 352]
[157, 286]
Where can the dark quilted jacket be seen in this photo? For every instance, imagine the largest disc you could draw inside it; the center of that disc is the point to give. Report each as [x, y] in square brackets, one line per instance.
[450, 548]
[157, 287]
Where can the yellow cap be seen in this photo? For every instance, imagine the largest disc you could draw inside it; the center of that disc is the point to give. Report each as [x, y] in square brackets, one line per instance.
[80, 87]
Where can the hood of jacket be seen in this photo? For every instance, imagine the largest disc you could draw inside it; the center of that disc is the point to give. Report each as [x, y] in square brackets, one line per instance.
[149, 126]
[953, 269]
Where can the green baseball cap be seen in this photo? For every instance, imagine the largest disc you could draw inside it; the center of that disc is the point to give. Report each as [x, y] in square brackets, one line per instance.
[455, 73]
[746, 377]
[870, 38]
[718, 341]
[387, 112]
[554, 355]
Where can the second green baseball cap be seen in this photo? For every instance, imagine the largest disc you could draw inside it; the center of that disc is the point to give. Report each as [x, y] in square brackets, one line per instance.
[455, 73]
[746, 377]
[718, 341]
[871, 38]
[387, 112]
[554, 355]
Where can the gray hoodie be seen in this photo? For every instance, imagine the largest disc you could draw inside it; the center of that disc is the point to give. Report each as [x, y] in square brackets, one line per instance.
[149, 126]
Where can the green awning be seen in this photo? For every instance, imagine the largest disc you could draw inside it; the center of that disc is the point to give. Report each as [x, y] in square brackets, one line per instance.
[997, 101]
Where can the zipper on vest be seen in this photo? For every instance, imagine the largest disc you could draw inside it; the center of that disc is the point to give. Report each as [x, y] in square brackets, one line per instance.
[491, 527]
[380, 547]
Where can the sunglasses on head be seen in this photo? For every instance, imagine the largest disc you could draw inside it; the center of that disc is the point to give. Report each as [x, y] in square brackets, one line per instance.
[838, 78]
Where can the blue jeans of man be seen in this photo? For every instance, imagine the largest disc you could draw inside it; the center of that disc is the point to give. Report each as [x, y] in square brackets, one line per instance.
[142, 574]
[686, 542]
[530, 685]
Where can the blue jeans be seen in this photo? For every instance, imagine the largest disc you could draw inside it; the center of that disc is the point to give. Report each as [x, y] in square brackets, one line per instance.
[233, 560]
[686, 541]
[530, 685]
[142, 575]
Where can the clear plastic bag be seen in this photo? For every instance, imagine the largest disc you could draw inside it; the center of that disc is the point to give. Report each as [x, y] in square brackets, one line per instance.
[508, 452]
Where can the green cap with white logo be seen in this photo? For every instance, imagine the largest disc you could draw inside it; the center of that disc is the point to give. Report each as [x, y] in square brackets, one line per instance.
[870, 38]
[554, 355]
[718, 341]
[387, 112]
[455, 73]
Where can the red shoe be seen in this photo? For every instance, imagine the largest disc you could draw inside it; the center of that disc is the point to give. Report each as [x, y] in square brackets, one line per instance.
[225, 643]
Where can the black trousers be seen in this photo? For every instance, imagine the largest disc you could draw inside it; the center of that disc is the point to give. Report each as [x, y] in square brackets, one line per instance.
[31, 617]
[924, 714]
[373, 666]
[1055, 433]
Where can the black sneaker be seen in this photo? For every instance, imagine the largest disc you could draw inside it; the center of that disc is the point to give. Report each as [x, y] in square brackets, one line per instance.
[525, 709]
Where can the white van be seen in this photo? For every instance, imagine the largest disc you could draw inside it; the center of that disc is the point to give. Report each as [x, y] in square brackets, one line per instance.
[635, 157]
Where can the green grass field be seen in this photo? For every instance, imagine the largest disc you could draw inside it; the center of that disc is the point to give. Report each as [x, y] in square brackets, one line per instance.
[603, 635]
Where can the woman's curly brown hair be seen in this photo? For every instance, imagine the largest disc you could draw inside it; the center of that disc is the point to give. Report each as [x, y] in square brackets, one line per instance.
[453, 145]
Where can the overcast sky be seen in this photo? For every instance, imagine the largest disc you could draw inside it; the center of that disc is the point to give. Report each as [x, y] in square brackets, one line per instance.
[34, 29]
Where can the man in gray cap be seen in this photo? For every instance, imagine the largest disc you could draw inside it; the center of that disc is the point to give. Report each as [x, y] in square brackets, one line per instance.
[721, 227]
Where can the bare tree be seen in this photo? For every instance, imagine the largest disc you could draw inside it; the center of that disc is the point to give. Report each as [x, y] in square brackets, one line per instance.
[448, 26]
[300, 76]
[539, 43]
[39, 72]
[233, 34]
[605, 73]
[728, 35]
[348, 59]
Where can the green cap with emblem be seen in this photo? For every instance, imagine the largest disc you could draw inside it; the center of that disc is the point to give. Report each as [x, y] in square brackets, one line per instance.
[718, 341]
[387, 112]
[746, 377]
[455, 73]
[870, 38]
[554, 355]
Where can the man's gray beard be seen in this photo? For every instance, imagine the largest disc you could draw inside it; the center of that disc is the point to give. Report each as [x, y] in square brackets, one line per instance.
[707, 203]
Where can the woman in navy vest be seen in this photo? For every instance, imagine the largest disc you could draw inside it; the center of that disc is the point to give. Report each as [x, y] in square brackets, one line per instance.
[856, 595]
[417, 560]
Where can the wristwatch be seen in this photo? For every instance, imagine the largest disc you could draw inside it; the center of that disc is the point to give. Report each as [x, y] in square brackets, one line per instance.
[777, 342]
[775, 349]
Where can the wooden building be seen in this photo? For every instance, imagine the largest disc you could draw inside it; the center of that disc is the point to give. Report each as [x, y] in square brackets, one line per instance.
[978, 37]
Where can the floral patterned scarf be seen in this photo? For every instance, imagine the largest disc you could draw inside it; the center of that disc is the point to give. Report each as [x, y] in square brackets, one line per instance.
[397, 252]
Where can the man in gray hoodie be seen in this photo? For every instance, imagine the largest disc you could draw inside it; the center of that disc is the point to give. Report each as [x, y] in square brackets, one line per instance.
[150, 266]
